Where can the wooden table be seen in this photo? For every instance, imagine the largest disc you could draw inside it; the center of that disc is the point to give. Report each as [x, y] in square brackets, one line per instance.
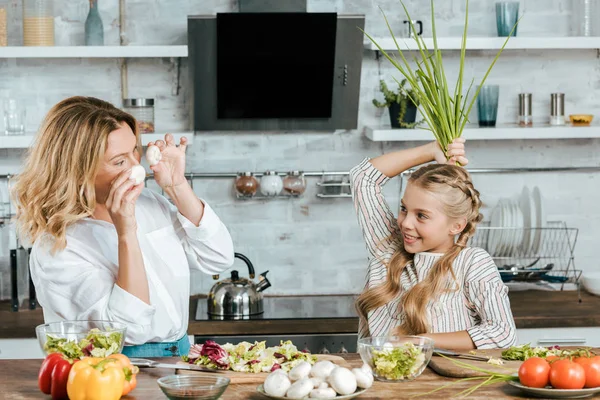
[18, 380]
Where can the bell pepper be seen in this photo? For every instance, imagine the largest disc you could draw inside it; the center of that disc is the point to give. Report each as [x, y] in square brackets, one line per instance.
[95, 378]
[53, 376]
[129, 370]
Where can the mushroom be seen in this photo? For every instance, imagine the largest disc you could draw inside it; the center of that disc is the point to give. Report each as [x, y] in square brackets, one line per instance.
[300, 389]
[317, 382]
[343, 381]
[153, 155]
[322, 369]
[277, 384]
[367, 368]
[363, 380]
[323, 385]
[300, 371]
[327, 393]
[138, 174]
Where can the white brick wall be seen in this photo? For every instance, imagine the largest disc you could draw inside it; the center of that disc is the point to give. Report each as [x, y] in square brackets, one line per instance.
[311, 245]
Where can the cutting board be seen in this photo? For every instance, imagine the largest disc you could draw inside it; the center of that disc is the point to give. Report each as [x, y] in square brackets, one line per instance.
[246, 377]
[445, 367]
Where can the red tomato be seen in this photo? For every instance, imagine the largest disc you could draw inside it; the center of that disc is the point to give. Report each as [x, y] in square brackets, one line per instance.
[534, 372]
[591, 367]
[565, 374]
[551, 359]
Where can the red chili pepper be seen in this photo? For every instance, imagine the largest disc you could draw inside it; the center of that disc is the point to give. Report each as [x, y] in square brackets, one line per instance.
[53, 376]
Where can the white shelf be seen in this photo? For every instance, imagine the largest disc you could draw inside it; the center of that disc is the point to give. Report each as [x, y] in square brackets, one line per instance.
[24, 141]
[93, 51]
[506, 132]
[490, 43]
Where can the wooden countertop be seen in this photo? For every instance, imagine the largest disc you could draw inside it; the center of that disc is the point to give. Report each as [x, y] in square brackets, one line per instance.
[531, 309]
[18, 380]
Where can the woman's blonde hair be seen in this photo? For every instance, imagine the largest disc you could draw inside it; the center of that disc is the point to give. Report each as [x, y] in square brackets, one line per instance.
[56, 187]
[453, 185]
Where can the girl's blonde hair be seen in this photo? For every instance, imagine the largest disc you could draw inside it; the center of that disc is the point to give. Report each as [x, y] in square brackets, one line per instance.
[460, 199]
[56, 187]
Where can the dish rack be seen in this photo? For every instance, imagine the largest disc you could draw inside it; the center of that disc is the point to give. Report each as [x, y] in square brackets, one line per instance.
[544, 254]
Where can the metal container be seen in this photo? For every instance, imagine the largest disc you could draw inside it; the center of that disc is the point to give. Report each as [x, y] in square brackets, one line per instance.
[557, 109]
[143, 112]
[525, 118]
[235, 297]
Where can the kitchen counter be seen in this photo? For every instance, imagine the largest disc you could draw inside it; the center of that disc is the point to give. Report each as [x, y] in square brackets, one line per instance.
[531, 309]
[24, 372]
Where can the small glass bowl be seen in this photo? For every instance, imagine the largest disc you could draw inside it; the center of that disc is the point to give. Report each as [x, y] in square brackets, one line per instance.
[75, 331]
[193, 387]
[371, 348]
[581, 119]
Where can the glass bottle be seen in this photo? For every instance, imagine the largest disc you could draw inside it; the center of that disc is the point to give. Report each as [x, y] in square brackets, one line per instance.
[246, 184]
[94, 31]
[294, 183]
[38, 23]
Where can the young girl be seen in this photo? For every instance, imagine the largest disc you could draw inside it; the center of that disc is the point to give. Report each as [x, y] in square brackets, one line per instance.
[421, 280]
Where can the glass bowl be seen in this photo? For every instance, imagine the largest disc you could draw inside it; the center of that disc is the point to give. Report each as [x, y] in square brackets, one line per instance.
[581, 119]
[396, 358]
[193, 387]
[76, 339]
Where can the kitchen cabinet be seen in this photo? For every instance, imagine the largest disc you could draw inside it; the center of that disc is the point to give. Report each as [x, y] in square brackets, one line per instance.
[585, 336]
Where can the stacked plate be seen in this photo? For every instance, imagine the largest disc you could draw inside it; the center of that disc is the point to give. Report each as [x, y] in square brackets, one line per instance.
[515, 225]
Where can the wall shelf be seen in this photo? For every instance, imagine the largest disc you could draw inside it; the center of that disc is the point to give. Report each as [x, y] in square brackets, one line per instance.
[93, 51]
[491, 43]
[503, 132]
[24, 141]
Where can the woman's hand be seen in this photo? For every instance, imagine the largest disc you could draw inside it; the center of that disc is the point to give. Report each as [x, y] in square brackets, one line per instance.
[456, 153]
[120, 203]
[170, 170]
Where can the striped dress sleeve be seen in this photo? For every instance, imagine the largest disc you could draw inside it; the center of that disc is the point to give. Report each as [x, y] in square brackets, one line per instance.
[488, 298]
[375, 217]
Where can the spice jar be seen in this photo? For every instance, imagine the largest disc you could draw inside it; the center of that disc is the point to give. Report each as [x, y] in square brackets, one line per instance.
[271, 184]
[38, 23]
[246, 184]
[294, 183]
[525, 118]
[143, 112]
[3, 33]
[557, 109]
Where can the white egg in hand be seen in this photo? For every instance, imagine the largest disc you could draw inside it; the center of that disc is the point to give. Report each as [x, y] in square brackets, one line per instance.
[138, 174]
[277, 384]
[153, 155]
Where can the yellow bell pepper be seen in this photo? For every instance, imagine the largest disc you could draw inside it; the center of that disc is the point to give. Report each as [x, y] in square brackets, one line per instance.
[96, 379]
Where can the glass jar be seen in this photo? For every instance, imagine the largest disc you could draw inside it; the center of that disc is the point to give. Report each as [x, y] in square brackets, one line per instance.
[271, 184]
[143, 112]
[246, 184]
[38, 23]
[294, 183]
[525, 118]
[3, 26]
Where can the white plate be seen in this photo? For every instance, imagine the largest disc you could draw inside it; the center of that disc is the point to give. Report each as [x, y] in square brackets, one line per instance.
[517, 230]
[494, 237]
[506, 222]
[526, 205]
[549, 393]
[540, 219]
[261, 390]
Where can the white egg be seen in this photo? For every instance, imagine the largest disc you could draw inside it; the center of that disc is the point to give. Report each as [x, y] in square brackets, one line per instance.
[327, 393]
[153, 155]
[277, 384]
[343, 381]
[138, 174]
[363, 380]
[300, 371]
[322, 369]
[300, 389]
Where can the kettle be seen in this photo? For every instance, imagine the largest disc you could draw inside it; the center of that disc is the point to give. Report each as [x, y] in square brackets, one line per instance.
[235, 297]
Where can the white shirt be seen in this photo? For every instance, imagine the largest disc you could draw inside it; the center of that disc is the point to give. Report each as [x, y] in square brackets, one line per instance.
[78, 283]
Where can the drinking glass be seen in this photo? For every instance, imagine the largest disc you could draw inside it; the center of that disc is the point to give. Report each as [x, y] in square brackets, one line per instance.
[507, 14]
[14, 117]
[487, 105]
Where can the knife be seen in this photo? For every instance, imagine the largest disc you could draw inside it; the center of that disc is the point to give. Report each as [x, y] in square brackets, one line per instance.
[145, 363]
[449, 353]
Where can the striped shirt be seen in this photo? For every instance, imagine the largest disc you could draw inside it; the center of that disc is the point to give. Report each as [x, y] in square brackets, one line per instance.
[480, 305]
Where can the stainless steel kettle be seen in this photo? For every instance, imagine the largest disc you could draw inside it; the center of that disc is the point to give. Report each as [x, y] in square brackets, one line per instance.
[235, 297]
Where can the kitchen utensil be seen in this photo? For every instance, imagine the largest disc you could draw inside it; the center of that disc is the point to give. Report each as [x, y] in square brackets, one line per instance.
[507, 14]
[14, 117]
[555, 393]
[75, 331]
[193, 387]
[526, 205]
[449, 353]
[591, 282]
[557, 109]
[540, 218]
[487, 105]
[581, 119]
[145, 363]
[495, 237]
[358, 392]
[448, 367]
[235, 297]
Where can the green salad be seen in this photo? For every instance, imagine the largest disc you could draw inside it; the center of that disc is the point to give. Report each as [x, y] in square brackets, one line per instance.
[97, 343]
[525, 351]
[398, 363]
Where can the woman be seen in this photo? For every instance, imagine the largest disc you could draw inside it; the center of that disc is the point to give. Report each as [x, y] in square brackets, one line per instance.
[105, 248]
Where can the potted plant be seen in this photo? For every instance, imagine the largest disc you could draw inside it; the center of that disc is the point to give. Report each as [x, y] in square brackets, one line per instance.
[402, 105]
[445, 113]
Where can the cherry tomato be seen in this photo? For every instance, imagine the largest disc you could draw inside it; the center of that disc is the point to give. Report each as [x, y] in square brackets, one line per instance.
[534, 372]
[565, 374]
[591, 367]
[551, 359]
